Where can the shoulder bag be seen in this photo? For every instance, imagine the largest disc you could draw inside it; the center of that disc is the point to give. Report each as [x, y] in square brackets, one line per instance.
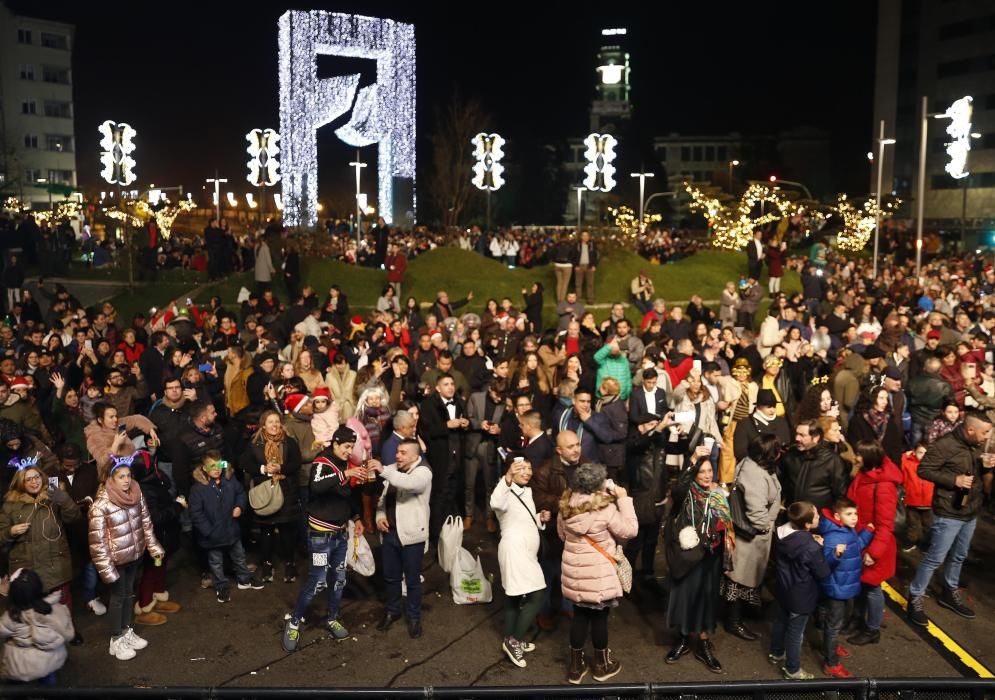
[623, 569]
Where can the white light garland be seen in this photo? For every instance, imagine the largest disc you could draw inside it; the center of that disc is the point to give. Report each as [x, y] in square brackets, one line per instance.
[382, 113]
[117, 145]
[599, 155]
[488, 152]
[264, 168]
[959, 129]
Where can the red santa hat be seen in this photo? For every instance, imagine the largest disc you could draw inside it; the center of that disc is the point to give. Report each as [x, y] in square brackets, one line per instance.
[294, 402]
[322, 392]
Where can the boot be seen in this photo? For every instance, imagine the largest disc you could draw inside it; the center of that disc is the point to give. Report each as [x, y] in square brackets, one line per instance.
[705, 653]
[734, 622]
[148, 616]
[682, 648]
[578, 666]
[605, 666]
[163, 604]
[865, 637]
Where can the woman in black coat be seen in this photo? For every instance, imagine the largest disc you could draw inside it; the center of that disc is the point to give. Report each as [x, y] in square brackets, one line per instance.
[272, 454]
[533, 307]
[156, 487]
[873, 421]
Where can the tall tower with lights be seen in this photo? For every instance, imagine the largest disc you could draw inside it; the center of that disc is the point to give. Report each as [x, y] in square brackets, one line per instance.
[612, 103]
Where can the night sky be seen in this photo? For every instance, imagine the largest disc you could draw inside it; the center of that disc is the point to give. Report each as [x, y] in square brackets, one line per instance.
[193, 78]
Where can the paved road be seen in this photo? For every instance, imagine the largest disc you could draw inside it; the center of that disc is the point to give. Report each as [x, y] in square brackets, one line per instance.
[238, 644]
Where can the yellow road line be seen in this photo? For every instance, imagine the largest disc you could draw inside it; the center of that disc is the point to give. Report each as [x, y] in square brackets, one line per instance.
[942, 637]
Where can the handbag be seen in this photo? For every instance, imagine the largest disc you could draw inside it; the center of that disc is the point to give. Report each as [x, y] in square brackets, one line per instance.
[266, 497]
[737, 510]
[623, 569]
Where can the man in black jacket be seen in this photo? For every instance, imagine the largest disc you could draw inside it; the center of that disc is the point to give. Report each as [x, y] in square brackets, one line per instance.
[153, 363]
[198, 434]
[956, 465]
[330, 507]
[443, 424]
[811, 471]
[585, 261]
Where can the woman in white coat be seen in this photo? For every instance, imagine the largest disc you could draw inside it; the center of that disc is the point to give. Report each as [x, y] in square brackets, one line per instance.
[518, 556]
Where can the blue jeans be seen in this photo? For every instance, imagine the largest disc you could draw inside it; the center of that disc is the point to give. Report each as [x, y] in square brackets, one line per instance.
[402, 560]
[216, 562]
[327, 552]
[874, 605]
[787, 636]
[948, 537]
[89, 576]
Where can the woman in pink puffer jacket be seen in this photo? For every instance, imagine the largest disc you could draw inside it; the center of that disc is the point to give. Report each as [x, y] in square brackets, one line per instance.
[591, 518]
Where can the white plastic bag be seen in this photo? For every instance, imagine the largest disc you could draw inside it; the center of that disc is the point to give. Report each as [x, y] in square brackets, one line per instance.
[359, 556]
[450, 541]
[468, 581]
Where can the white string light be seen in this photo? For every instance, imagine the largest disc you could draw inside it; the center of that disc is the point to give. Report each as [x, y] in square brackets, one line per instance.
[959, 129]
[599, 155]
[382, 113]
[117, 145]
[264, 168]
[488, 152]
[233, 200]
[278, 200]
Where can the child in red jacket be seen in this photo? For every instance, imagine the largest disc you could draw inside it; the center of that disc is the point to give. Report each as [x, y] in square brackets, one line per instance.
[918, 499]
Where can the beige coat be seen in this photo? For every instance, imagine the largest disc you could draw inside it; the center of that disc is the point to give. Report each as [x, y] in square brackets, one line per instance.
[343, 388]
[119, 535]
[36, 645]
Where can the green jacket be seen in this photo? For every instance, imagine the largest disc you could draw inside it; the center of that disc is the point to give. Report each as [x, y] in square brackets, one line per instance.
[614, 366]
[44, 546]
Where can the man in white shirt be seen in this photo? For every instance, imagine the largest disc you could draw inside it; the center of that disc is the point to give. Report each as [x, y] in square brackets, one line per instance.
[402, 518]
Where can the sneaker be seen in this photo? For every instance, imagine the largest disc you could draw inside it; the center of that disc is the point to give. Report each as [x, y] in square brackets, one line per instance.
[841, 652]
[120, 650]
[266, 575]
[97, 607]
[289, 578]
[133, 640]
[917, 612]
[776, 659]
[836, 671]
[251, 583]
[951, 600]
[514, 651]
[800, 675]
[337, 630]
[224, 595]
[291, 636]
[911, 548]
[206, 580]
[528, 647]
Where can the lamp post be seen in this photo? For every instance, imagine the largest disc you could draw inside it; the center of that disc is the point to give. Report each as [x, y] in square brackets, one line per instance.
[216, 181]
[642, 193]
[732, 164]
[358, 165]
[882, 142]
[580, 197]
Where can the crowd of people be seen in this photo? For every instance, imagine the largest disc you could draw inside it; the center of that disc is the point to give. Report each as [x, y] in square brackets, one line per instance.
[246, 438]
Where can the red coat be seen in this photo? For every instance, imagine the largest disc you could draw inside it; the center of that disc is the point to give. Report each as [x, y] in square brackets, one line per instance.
[876, 494]
[775, 261]
[396, 266]
[918, 491]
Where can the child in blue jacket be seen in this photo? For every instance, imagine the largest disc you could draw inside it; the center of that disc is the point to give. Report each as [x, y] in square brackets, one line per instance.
[843, 549]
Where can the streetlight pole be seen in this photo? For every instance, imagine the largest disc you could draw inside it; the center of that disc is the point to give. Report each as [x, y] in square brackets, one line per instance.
[882, 142]
[358, 165]
[580, 197]
[217, 194]
[921, 195]
[732, 164]
[642, 193]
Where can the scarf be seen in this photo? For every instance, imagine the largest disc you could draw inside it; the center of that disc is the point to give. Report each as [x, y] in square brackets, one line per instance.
[605, 400]
[761, 418]
[273, 447]
[123, 499]
[565, 420]
[375, 420]
[709, 510]
[878, 420]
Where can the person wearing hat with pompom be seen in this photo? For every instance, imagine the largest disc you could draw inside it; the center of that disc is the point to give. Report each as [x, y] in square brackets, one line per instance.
[330, 507]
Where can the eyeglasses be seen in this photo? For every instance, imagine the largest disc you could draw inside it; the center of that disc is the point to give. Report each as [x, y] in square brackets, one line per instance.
[35, 477]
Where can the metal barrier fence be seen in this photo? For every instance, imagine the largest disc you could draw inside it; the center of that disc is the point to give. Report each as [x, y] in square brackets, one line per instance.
[855, 689]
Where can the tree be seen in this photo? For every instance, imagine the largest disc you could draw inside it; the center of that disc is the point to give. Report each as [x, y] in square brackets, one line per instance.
[449, 184]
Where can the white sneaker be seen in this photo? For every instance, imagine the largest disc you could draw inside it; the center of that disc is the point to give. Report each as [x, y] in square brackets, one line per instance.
[120, 650]
[133, 640]
[97, 607]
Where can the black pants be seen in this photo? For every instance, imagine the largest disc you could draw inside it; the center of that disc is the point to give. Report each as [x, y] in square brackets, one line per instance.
[280, 539]
[644, 544]
[598, 622]
[122, 600]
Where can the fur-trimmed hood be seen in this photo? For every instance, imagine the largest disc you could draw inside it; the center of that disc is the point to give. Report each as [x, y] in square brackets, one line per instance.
[200, 476]
[26, 498]
[573, 504]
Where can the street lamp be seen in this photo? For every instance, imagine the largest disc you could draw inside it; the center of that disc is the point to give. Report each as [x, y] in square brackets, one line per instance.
[642, 192]
[580, 197]
[217, 193]
[882, 142]
[732, 164]
[358, 165]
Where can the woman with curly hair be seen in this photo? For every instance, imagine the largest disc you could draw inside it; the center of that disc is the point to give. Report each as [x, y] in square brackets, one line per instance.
[817, 402]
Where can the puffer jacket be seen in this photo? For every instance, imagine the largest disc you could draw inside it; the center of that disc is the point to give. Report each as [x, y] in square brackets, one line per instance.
[844, 581]
[918, 491]
[876, 494]
[44, 547]
[587, 576]
[211, 506]
[119, 535]
[36, 645]
[945, 460]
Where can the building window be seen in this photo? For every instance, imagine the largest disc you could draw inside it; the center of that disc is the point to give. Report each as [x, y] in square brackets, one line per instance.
[685, 154]
[722, 153]
[697, 154]
[30, 141]
[54, 74]
[23, 36]
[59, 143]
[29, 107]
[710, 154]
[61, 110]
[27, 71]
[55, 41]
[60, 177]
[33, 175]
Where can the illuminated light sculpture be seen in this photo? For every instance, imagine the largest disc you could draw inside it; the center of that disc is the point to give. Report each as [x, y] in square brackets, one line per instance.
[251, 200]
[264, 168]
[382, 113]
[859, 223]
[599, 169]
[488, 152]
[278, 200]
[232, 200]
[117, 145]
[611, 74]
[959, 129]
